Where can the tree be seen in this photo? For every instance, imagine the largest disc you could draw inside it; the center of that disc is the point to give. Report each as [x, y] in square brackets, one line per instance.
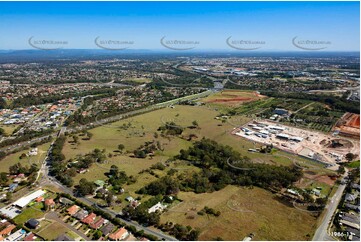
[2, 132]
[85, 187]
[350, 157]
[121, 147]
[97, 234]
[3, 178]
[195, 123]
[114, 171]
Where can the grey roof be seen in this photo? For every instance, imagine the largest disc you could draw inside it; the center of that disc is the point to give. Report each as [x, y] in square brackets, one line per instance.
[32, 222]
[80, 214]
[107, 229]
[63, 237]
[65, 201]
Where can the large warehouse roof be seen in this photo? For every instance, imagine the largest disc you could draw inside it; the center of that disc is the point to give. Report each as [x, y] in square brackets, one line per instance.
[22, 202]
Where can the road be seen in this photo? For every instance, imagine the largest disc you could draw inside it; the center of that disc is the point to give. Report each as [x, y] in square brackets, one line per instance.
[99, 122]
[321, 233]
[54, 217]
[46, 180]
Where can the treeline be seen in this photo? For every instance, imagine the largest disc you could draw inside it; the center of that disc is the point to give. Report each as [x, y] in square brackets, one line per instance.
[58, 165]
[43, 141]
[221, 166]
[339, 103]
[25, 137]
[31, 100]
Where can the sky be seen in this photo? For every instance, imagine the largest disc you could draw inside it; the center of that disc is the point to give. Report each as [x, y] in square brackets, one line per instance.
[207, 25]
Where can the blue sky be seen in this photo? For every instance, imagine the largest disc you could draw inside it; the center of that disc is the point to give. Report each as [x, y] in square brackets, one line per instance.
[209, 23]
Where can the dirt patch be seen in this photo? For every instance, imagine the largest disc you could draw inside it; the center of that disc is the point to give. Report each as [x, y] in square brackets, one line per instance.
[349, 125]
[337, 144]
[225, 100]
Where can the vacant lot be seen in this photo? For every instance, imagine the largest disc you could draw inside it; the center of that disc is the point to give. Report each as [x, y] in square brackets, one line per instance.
[243, 211]
[52, 231]
[27, 161]
[142, 128]
[232, 97]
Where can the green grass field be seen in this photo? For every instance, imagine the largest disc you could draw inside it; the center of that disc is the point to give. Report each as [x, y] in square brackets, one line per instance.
[270, 219]
[243, 211]
[52, 231]
[12, 159]
[9, 128]
[30, 212]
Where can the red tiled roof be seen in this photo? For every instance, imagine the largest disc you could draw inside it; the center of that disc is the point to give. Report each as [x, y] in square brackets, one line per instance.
[30, 237]
[73, 209]
[39, 199]
[49, 201]
[89, 219]
[97, 223]
[118, 234]
[7, 230]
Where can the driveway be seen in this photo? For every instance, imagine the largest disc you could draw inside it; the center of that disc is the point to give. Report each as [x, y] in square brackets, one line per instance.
[54, 217]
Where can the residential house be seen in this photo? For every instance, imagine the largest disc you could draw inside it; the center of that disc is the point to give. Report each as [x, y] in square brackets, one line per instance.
[16, 236]
[30, 237]
[32, 223]
[97, 224]
[73, 210]
[39, 199]
[157, 207]
[89, 219]
[63, 237]
[80, 214]
[7, 230]
[120, 234]
[49, 203]
[65, 201]
[107, 229]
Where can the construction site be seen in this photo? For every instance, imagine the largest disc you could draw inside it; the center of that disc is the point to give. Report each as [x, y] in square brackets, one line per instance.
[321, 147]
[348, 125]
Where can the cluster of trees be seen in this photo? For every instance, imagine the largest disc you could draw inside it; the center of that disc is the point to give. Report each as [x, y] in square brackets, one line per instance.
[338, 103]
[171, 128]
[3, 178]
[31, 100]
[140, 213]
[181, 232]
[147, 148]
[28, 135]
[59, 167]
[85, 187]
[119, 178]
[221, 166]
[2, 132]
[29, 171]
[210, 211]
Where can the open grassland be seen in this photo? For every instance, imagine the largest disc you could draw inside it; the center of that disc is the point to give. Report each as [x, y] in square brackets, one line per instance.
[9, 129]
[12, 159]
[143, 127]
[243, 211]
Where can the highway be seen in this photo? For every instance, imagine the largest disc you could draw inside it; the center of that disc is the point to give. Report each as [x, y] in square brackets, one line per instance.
[43, 178]
[321, 233]
[100, 122]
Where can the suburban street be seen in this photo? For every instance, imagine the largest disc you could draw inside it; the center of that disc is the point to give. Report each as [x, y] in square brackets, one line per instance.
[321, 233]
